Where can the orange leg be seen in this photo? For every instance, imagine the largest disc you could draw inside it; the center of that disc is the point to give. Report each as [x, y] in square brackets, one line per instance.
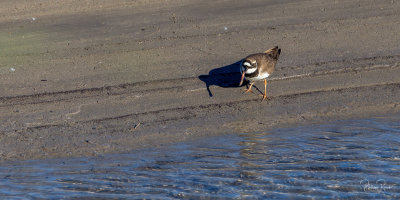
[249, 89]
[265, 89]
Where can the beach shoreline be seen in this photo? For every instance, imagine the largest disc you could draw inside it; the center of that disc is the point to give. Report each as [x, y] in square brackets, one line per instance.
[85, 79]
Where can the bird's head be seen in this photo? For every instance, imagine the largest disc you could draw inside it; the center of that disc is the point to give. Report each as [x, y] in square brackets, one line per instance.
[248, 66]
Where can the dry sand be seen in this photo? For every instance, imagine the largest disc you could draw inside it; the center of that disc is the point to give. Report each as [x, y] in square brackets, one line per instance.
[83, 77]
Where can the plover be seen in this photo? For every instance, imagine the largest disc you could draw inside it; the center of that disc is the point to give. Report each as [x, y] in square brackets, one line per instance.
[259, 66]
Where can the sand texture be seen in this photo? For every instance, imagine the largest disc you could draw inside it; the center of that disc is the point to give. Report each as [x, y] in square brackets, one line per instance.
[83, 77]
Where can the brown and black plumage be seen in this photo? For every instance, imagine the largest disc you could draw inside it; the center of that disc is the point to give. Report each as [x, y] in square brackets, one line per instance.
[259, 66]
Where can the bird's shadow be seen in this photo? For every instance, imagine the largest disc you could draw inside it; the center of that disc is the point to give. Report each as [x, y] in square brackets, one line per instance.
[226, 77]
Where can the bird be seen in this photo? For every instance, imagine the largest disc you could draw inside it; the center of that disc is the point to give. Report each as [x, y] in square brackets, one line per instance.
[259, 66]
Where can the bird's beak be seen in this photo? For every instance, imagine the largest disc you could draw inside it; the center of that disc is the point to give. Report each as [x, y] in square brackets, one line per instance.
[241, 80]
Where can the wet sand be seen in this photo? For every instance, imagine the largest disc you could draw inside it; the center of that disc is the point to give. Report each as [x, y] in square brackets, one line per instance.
[79, 78]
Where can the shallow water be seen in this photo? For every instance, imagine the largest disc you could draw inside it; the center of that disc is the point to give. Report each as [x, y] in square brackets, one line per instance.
[345, 159]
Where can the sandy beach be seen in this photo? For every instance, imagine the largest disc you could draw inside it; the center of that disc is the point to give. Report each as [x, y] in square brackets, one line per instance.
[85, 78]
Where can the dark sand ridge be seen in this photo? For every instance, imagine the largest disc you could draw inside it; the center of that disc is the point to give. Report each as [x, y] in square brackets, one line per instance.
[111, 77]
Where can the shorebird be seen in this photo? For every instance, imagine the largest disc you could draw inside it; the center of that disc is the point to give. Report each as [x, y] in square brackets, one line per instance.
[258, 67]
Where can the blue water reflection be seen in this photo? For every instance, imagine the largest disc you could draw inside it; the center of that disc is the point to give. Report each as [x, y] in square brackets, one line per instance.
[345, 159]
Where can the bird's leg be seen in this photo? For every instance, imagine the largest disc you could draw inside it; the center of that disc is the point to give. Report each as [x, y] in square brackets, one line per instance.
[249, 89]
[265, 89]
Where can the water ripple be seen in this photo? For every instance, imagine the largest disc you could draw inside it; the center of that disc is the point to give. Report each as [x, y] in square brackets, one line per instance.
[346, 159]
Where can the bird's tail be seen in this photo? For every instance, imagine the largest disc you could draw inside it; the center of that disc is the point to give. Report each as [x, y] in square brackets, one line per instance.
[274, 52]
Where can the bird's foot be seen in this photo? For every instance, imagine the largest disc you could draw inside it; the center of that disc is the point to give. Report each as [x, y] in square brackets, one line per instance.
[247, 90]
[264, 97]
